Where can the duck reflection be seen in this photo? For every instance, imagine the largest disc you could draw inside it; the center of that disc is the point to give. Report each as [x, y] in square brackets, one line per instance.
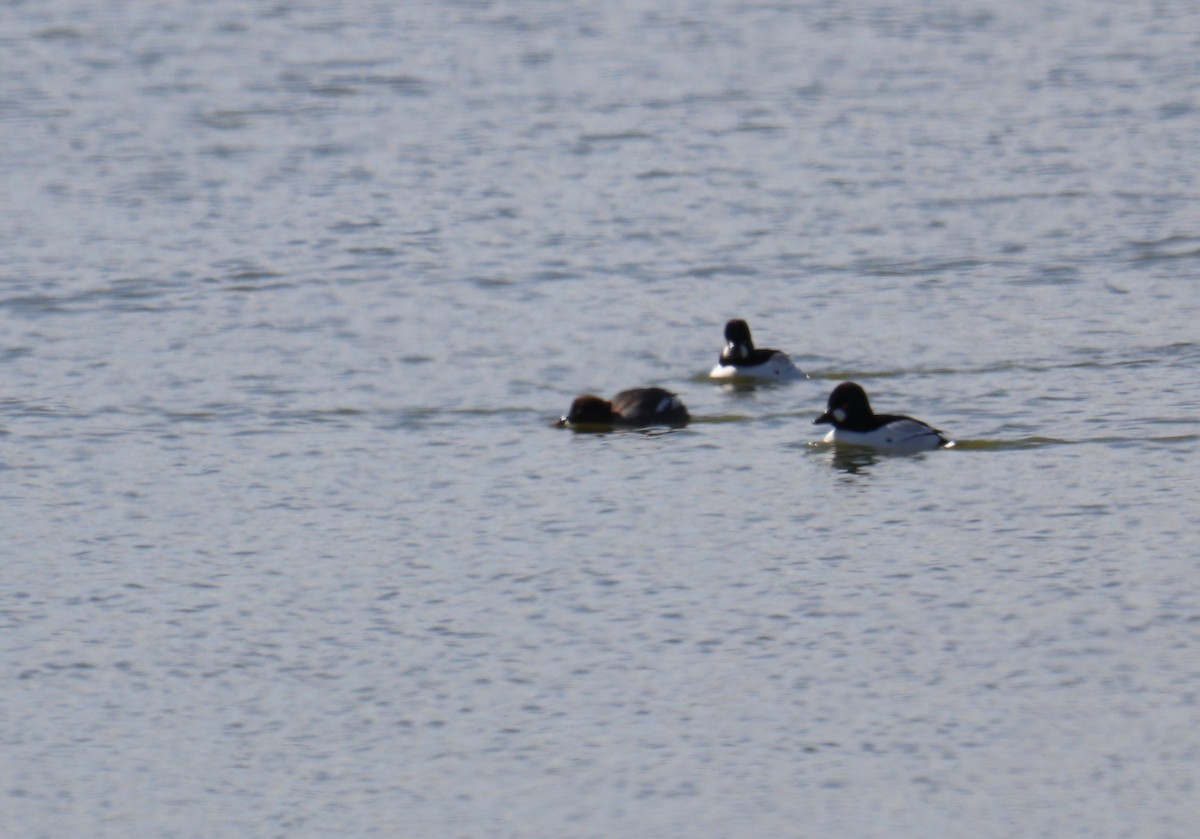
[852, 460]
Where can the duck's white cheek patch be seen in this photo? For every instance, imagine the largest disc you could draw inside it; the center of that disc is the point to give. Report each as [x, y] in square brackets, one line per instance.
[668, 404]
[839, 414]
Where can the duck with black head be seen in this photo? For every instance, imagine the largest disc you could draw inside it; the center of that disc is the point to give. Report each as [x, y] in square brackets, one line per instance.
[636, 408]
[740, 359]
[855, 424]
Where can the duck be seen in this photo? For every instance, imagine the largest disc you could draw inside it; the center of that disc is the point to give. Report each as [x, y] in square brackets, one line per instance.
[855, 424]
[636, 408]
[739, 358]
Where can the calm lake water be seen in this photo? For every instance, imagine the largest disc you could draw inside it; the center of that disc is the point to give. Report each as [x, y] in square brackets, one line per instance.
[291, 293]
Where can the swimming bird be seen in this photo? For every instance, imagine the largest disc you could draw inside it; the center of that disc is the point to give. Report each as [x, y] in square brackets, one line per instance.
[634, 408]
[739, 358]
[855, 424]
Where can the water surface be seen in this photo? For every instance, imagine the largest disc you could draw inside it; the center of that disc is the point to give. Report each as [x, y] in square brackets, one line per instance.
[290, 295]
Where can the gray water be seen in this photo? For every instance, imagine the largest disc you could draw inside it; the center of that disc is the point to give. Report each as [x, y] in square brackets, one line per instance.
[290, 294]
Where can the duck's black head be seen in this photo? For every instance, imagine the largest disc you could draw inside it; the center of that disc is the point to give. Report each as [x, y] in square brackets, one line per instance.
[738, 332]
[739, 346]
[847, 402]
[588, 410]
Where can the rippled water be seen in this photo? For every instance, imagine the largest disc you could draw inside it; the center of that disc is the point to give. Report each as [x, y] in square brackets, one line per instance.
[290, 295]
